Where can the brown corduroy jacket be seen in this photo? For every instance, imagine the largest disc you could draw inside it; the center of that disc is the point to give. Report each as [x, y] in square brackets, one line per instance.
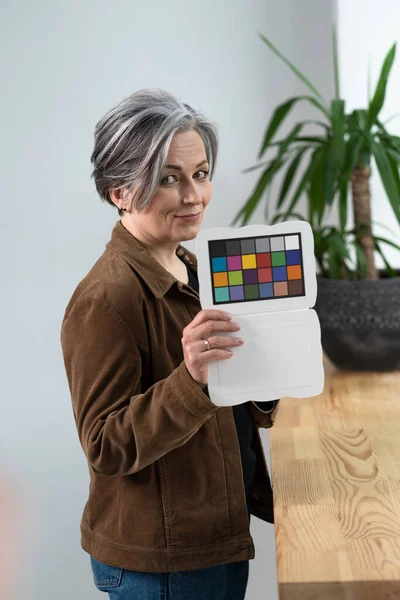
[166, 484]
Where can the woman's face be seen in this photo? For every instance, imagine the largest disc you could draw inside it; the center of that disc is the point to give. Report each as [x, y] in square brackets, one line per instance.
[176, 210]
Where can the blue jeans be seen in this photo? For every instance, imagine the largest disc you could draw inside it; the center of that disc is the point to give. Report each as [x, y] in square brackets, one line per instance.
[223, 582]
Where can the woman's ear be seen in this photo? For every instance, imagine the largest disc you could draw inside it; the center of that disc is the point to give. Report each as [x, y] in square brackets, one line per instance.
[117, 196]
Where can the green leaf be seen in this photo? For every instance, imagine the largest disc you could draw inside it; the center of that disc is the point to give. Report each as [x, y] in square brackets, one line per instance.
[343, 193]
[393, 154]
[295, 70]
[290, 173]
[312, 139]
[380, 92]
[378, 224]
[394, 116]
[386, 241]
[251, 204]
[362, 228]
[335, 155]
[390, 178]
[361, 117]
[266, 178]
[390, 270]
[335, 63]
[339, 245]
[278, 116]
[369, 80]
[334, 263]
[326, 126]
[337, 255]
[362, 261]
[351, 159]
[316, 189]
[335, 151]
[315, 157]
[263, 182]
[283, 216]
[258, 166]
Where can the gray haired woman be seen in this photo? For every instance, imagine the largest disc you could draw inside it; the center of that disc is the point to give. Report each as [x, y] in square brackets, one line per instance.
[173, 477]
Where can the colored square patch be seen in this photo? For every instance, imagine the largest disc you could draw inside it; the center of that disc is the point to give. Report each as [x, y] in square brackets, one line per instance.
[279, 273]
[249, 261]
[263, 260]
[293, 257]
[234, 263]
[219, 264]
[235, 277]
[236, 292]
[278, 259]
[296, 287]
[220, 279]
[264, 275]
[266, 290]
[281, 288]
[221, 294]
[294, 272]
[251, 292]
[250, 276]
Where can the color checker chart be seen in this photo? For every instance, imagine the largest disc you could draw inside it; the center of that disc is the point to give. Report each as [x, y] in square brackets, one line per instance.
[256, 268]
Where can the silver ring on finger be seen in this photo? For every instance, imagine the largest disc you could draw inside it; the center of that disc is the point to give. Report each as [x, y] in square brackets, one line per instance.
[207, 343]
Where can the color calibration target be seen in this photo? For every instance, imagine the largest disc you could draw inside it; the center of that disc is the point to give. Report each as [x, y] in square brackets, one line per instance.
[256, 268]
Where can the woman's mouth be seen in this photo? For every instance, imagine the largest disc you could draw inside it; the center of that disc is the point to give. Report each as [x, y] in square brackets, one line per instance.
[191, 217]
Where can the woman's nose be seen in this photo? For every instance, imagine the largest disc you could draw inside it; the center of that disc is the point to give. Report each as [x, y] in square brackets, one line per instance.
[191, 194]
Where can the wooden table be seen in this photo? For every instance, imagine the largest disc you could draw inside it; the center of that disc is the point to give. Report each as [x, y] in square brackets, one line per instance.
[336, 479]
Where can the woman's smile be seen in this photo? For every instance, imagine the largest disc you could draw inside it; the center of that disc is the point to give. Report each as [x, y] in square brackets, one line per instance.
[189, 218]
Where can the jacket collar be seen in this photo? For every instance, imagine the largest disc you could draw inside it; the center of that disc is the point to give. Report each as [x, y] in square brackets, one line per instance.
[156, 277]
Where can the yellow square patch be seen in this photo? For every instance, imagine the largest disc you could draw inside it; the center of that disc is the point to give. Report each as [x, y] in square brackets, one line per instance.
[249, 261]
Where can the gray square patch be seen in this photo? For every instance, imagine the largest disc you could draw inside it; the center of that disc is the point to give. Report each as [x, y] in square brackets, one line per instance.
[248, 246]
[262, 245]
[277, 244]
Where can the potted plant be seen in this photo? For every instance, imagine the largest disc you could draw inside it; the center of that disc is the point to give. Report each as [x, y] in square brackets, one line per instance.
[358, 305]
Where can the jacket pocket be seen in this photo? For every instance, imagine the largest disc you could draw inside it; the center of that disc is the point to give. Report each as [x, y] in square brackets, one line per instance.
[105, 577]
[194, 488]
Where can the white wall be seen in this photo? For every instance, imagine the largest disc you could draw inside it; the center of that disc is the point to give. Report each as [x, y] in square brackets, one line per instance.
[63, 64]
[367, 30]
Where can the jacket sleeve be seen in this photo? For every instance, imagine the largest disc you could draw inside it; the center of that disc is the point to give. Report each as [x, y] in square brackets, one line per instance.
[122, 428]
[264, 413]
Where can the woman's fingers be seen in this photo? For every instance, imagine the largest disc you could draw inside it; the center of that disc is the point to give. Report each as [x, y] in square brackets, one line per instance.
[204, 326]
[210, 314]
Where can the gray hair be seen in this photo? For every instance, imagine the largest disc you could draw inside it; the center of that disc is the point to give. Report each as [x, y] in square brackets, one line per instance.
[133, 138]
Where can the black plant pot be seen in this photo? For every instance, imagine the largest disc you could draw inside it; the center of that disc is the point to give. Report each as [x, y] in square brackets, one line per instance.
[360, 323]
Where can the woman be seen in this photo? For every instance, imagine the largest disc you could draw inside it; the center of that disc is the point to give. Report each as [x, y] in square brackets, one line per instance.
[173, 477]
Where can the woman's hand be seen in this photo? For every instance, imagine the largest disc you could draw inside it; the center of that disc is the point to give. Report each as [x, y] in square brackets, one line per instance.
[203, 327]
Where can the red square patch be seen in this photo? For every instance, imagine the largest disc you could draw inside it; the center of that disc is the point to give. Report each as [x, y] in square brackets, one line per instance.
[263, 260]
[264, 275]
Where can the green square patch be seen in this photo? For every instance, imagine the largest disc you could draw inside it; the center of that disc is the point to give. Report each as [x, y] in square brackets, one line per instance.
[251, 292]
[235, 277]
[278, 259]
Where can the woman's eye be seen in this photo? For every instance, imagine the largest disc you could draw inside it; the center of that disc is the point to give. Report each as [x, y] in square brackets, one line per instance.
[171, 178]
[203, 171]
[165, 179]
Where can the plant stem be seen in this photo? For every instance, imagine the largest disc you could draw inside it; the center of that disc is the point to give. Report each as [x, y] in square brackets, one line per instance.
[362, 216]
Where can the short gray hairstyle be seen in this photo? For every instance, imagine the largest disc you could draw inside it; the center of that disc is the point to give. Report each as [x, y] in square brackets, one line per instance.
[133, 138]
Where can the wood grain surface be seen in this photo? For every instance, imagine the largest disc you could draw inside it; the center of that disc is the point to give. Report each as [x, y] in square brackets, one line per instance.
[335, 462]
